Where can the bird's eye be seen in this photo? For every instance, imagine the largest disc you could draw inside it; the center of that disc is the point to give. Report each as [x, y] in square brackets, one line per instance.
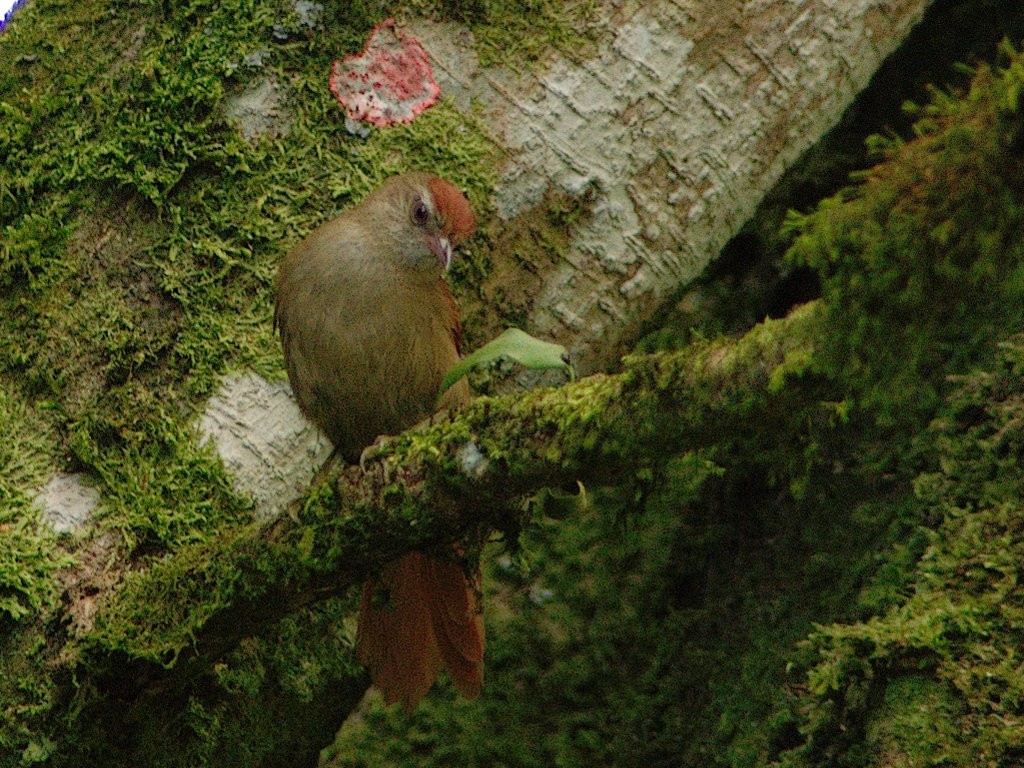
[420, 214]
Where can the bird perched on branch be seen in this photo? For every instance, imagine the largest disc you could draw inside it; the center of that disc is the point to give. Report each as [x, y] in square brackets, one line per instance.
[369, 329]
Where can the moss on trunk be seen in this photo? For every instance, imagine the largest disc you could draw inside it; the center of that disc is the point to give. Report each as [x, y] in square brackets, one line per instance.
[821, 470]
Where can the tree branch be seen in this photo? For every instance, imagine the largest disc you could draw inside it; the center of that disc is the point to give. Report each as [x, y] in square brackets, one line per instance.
[160, 634]
[427, 487]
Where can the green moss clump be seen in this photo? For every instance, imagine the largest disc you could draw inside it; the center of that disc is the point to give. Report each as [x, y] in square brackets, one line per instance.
[296, 679]
[29, 555]
[30, 559]
[923, 258]
[948, 653]
[29, 695]
[516, 32]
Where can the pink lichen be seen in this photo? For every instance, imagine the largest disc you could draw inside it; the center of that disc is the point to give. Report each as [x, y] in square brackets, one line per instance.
[389, 82]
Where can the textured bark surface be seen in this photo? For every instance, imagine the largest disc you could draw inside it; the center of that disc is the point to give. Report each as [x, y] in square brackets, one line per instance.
[267, 445]
[669, 137]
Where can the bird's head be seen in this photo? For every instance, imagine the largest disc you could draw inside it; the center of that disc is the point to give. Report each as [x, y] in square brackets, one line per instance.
[426, 217]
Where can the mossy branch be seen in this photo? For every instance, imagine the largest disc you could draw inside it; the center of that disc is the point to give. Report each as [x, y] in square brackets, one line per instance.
[427, 488]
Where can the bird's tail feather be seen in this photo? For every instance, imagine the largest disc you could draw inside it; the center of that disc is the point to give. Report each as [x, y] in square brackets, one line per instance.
[420, 612]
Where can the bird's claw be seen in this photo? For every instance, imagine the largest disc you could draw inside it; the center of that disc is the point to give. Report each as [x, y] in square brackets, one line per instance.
[371, 451]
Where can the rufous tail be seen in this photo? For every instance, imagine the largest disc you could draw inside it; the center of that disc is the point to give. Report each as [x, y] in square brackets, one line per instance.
[420, 613]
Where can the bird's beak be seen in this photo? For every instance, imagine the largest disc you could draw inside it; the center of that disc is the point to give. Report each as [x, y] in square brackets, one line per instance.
[442, 248]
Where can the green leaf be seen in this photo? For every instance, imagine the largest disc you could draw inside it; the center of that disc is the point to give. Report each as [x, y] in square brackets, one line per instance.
[516, 345]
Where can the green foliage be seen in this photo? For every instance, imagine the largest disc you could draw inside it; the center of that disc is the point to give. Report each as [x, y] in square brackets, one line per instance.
[513, 344]
[28, 694]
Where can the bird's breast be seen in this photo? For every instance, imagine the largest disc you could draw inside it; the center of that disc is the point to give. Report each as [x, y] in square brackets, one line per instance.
[369, 359]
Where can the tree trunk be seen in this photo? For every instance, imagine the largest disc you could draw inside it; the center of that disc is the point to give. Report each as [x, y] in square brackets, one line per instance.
[626, 173]
[665, 140]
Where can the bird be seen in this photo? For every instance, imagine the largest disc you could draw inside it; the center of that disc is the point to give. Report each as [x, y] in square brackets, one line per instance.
[368, 328]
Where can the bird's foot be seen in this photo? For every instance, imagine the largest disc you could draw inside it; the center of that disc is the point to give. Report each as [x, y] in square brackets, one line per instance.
[371, 451]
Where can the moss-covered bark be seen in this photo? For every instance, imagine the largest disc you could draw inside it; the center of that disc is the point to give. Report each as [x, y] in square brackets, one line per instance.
[190, 649]
[738, 493]
[937, 678]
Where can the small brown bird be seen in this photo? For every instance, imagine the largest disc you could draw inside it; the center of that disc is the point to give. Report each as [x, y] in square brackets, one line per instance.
[369, 329]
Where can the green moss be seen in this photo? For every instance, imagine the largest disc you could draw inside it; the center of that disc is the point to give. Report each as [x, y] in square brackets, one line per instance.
[27, 244]
[30, 559]
[959, 630]
[29, 695]
[119, 316]
[651, 627]
[29, 555]
[922, 259]
[516, 32]
[915, 725]
[513, 32]
[273, 700]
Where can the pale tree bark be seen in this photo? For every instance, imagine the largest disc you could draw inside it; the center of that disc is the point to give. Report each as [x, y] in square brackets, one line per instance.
[668, 136]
